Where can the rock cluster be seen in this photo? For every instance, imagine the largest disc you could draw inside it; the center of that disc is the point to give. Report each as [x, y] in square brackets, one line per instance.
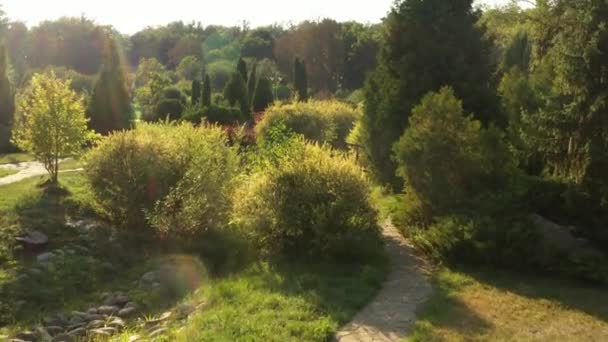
[106, 319]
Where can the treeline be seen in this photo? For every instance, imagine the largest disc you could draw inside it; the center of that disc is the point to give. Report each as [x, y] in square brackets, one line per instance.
[483, 118]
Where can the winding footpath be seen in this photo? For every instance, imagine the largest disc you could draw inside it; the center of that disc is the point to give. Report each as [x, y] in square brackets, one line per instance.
[392, 314]
[25, 170]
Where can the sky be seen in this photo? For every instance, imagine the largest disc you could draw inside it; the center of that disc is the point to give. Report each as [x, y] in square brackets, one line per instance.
[129, 16]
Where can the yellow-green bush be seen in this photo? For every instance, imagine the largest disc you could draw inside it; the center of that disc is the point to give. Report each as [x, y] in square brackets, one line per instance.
[315, 205]
[136, 174]
[327, 121]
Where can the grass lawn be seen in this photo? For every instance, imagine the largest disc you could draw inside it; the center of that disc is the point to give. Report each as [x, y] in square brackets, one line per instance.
[13, 158]
[503, 306]
[4, 172]
[262, 302]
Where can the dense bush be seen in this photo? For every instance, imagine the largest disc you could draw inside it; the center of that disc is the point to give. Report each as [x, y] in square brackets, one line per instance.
[214, 114]
[319, 121]
[131, 171]
[313, 205]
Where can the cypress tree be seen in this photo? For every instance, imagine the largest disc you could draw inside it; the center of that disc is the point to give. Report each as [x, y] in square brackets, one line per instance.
[251, 84]
[196, 92]
[241, 67]
[206, 98]
[263, 95]
[300, 79]
[7, 107]
[110, 106]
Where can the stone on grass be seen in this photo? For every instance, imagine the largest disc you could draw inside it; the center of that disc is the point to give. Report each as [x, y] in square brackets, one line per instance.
[158, 332]
[184, 310]
[27, 335]
[149, 277]
[127, 311]
[35, 271]
[77, 332]
[33, 239]
[96, 324]
[107, 309]
[45, 257]
[116, 323]
[54, 329]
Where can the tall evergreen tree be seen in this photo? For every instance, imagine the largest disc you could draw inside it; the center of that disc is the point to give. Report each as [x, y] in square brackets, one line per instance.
[7, 105]
[428, 44]
[300, 79]
[263, 95]
[196, 92]
[206, 96]
[241, 67]
[110, 106]
[251, 84]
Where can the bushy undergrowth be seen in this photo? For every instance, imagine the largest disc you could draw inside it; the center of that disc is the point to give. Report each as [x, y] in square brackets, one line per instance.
[170, 176]
[319, 121]
[314, 205]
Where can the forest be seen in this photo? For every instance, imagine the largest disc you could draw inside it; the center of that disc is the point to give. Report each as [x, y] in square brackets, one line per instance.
[315, 181]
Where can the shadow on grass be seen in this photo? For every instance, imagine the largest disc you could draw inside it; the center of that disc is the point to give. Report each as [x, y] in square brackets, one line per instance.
[575, 295]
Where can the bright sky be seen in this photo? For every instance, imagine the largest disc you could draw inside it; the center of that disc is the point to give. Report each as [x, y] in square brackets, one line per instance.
[129, 16]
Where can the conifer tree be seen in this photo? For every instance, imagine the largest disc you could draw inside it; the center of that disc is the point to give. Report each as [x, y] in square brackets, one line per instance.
[251, 84]
[263, 95]
[206, 96]
[196, 92]
[241, 67]
[7, 107]
[300, 79]
[110, 106]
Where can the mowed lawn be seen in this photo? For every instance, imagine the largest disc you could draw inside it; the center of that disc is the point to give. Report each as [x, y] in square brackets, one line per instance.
[503, 306]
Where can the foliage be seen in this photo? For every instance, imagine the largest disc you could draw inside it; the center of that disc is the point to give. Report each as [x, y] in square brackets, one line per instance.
[214, 114]
[263, 97]
[314, 205]
[7, 105]
[220, 73]
[110, 107]
[199, 203]
[195, 96]
[148, 95]
[241, 68]
[189, 68]
[320, 121]
[147, 69]
[50, 122]
[403, 76]
[300, 79]
[252, 83]
[206, 95]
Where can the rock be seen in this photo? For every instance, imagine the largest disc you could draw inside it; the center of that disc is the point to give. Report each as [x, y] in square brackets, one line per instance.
[77, 320]
[131, 305]
[43, 333]
[107, 266]
[158, 332]
[95, 324]
[164, 317]
[109, 330]
[62, 338]
[77, 332]
[116, 323]
[92, 311]
[23, 277]
[92, 317]
[149, 277]
[33, 239]
[99, 332]
[116, 299]
[184, 310]
[76, 326]
[54, 329]
[35, 271]
[20, 303]
[27, 335]
[81, 249]
[107, 309]
[127, 311]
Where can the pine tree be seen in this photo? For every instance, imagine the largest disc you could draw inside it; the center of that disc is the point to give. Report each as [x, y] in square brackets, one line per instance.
[263, 95]
[110, 106]
[241, 67]
[423, 51]
[206, 98]
[6, 91]
[196, 92]
[300, 79]
[251, 84]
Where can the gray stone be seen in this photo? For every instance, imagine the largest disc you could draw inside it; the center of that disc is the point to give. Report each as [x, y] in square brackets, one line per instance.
[20, 303]
[22, 277]
[76, 320]
[99, 332]
[54, 329]
[107, 309]
[43, 333]
[92, 317]
[109, 330]
[92, 311]
[77, 332]
[45, 257]
[35, 271]
[125, 312]
[76, 326]
[116, 299]
[27, 335]
[131, 305]
[158, 332]
[95, 324]
[184, 310]
[116, 323]
[149, 277]
[33, 239]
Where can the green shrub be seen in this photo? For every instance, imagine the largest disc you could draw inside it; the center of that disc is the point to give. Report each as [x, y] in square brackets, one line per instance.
[171, 109]
[319, 121]
[313, 205]
[130, 171]
[214, 114]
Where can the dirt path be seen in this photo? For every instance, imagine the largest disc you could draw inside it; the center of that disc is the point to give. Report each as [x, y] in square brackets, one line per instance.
[25, 170]
[391, 315]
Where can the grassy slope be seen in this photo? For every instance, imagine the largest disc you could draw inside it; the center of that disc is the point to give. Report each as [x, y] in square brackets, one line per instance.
[270, 302]
[503, 306]
[4, 173]
[13, 158]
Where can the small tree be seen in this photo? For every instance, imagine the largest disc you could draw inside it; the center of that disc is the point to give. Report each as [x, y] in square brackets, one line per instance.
[6, 101]
[251, 84]
[300, 79]
[196, 92]
[235, 89]
[241, 67]
[189, 68]
[206, 98]
[263, 95]
[50, 122]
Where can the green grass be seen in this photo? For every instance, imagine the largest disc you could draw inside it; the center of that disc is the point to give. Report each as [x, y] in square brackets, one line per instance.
[505, 306]
[265, 301]
[13, 158]
[5, 172]
[71, 164]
